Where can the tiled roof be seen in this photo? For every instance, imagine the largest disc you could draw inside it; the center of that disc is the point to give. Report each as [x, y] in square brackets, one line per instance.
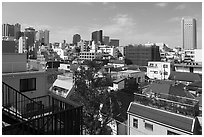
[168, 87]
[185, 76]
[164, 117]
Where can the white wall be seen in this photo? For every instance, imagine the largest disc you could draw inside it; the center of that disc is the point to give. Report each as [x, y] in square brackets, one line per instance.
[157, 129]
[157, 70]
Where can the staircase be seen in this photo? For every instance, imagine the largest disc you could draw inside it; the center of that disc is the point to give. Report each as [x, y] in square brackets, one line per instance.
[43, 115]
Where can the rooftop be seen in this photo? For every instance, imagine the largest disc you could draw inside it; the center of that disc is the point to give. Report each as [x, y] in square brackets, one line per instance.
[163, 117]
[185, 76]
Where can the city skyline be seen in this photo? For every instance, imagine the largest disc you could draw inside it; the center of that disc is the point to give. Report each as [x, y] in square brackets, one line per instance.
[130, 22]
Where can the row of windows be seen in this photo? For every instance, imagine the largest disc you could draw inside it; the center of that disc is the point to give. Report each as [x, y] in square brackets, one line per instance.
[164, 66]
[149, 127]
[156, 72]
[87, 53]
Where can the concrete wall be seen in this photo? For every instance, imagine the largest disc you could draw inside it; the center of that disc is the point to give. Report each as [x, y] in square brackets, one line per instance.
[198, 55]
[13, 80]
[141, 130]
[13, 62]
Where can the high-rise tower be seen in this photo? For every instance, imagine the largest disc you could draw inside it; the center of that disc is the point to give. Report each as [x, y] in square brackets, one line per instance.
[189, 33]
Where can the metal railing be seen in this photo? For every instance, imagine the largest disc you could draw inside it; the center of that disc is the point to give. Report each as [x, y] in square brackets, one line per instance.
[40, 115]
[181, 105]
[20, 104]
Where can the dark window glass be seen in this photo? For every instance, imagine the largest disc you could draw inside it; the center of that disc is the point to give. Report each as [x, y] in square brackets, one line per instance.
[27, 84]
[149, 126]
[135, 123]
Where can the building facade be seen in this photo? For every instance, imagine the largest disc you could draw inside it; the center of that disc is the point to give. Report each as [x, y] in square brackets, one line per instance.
[189, 33]
[76, 39]
[114, 42]
[97, 37]
[140, 54]
[106, 40]
[147, 120]
[159, 70]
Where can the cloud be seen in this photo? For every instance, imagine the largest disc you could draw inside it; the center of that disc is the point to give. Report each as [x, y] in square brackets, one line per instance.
[162, 4]
[180, 7]
[174, 19]
[121, 23]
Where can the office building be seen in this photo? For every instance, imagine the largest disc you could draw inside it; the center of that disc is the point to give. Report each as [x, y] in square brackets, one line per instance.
[189, 33]
[97, 37]
[17, 31]
[76, 38]
[106, 40]
[114, 42]
[7, 31]
[141, 54]
[30, 34]
[43, 37]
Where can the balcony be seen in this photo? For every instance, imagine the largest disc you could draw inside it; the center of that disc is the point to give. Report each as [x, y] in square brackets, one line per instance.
[175, 104]
[43, 115]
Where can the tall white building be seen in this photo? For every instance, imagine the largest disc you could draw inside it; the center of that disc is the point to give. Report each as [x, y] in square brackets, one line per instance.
[188, 31]
[22, 44]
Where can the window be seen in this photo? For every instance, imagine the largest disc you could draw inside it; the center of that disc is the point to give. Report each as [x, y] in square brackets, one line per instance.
[151, 64]
[27, 84]
[135, 123]
[155, 72]
[171, 133]
[165, 73]
[149, 126]
[165, 66]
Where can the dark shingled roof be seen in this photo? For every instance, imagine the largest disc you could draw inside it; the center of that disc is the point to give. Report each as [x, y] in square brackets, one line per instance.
[168, 87]
[185, 76]
[165, 117]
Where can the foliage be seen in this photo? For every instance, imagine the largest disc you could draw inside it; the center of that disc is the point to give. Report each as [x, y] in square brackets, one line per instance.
[96, 99]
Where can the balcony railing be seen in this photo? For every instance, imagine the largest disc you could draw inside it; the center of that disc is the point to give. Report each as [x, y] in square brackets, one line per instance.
[40, 115]
[175, 104]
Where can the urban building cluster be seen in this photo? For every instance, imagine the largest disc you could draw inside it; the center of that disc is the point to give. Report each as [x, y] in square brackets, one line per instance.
[159, 89]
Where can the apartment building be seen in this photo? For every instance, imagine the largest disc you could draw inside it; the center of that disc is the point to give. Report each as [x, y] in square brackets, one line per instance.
[147, 120]
[159, 70]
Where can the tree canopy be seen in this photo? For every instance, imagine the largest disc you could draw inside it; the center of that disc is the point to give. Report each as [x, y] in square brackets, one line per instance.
[96, 98]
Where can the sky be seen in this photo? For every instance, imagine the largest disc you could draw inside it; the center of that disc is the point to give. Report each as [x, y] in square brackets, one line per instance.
[130, 22]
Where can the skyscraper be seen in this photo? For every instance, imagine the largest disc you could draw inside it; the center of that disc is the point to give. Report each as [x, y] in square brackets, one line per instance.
[17, 31]
[7, 30]
[106, 40]
[46, 37]
[188, 31]
[76, 39]
[97, 37]
[43, 37]
[30, 34]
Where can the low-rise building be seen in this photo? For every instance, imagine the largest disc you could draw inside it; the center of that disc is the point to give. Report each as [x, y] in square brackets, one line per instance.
[192, 67]
[147, 120]
[159, 70]
[29, 82]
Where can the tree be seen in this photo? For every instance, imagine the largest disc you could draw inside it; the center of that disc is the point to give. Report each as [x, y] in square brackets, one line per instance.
[96, 100]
